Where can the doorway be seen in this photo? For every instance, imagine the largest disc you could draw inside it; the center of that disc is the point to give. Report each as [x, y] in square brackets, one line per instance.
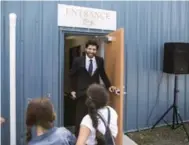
[112, 49]
[74, 46]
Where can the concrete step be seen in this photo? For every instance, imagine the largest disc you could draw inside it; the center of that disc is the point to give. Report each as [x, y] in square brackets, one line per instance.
[128, 141]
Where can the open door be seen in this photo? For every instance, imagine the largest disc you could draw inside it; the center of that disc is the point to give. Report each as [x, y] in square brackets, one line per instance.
[114, 65]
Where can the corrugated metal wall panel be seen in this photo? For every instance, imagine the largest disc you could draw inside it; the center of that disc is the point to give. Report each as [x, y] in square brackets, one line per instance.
[37, 60]
[147, 26]
[1, 45]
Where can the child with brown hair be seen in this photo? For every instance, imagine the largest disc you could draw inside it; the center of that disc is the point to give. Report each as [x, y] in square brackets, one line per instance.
[40, 114]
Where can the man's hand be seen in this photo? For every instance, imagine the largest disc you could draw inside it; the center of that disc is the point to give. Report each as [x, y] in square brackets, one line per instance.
[112, 89]
[73, 94]
[2, 120]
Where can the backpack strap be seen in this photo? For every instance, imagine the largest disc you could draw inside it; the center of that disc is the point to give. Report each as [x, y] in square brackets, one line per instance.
[106, 124]
[108, 116]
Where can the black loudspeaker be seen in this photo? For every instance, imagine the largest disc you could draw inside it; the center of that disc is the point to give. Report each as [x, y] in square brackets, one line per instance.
[176, 58]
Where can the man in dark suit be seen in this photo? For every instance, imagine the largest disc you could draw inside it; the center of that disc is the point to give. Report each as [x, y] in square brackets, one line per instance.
[85, 71]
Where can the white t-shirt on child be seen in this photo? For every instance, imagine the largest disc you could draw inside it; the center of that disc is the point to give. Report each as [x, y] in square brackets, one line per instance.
[86, 121]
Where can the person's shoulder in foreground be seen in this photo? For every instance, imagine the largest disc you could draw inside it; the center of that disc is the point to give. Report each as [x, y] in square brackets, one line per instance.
[66, 136]
[55, 136]
[112, 110]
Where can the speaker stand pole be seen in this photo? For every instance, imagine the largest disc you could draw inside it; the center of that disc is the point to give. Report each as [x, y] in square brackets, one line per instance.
[176, 113]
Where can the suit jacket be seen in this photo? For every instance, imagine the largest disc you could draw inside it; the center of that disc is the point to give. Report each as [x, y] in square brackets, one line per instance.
[80, 78]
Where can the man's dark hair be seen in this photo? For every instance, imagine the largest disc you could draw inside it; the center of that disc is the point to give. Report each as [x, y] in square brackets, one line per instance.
[93, 43]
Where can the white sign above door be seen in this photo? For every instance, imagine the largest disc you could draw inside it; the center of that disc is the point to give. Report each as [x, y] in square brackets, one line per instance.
[82, 17]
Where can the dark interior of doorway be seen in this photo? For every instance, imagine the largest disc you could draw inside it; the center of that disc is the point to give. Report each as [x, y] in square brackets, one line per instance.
[74, 46]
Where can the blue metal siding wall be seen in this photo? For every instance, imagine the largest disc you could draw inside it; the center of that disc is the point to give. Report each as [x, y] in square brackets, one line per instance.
[1, 44]
[147, 26]
[37, 58]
